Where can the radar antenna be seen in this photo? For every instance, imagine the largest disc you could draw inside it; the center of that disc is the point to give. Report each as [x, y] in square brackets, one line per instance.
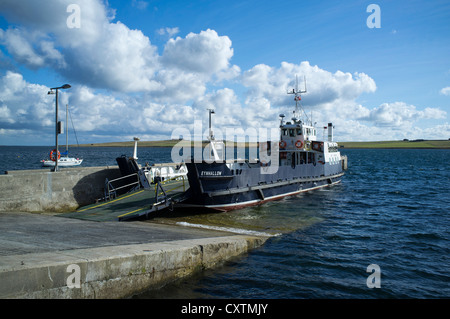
[297, 96]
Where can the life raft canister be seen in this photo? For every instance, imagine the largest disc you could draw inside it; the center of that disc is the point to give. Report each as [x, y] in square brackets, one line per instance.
[52, 155]
[298, 144]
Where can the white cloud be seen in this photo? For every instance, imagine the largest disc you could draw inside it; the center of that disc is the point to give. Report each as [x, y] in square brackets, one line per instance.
[400, 114]
[226, 104]
[176, 86]
[22, 50]
[24, 105]
[445, 91]
[106, 54]
[123, 61]
[169, 31]
[141, 5]
[203, 53]
[322, 86]
[188, 64]
[99, 53]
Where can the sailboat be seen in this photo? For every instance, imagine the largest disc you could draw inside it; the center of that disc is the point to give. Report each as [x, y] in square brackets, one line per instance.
[65, 161]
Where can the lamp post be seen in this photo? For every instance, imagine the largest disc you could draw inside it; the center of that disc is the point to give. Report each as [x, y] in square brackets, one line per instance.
[65, 86]
[211, 137]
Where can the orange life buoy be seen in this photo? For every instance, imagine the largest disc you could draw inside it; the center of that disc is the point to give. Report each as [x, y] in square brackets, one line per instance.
[53, 157]
[282, 144]
[263, 164]
[298, 144]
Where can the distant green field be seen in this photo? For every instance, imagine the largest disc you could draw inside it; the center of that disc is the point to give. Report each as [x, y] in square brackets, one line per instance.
[443, 144]
[164, 143]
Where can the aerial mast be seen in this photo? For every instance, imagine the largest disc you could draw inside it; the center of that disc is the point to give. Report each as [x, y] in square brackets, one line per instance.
[297, 96]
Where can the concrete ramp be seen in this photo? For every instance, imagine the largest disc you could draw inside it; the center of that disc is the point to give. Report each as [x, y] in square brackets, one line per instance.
[135, 204]
[44, 256]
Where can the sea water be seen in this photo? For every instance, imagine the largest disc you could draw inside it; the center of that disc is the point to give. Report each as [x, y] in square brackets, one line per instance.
[391, 210]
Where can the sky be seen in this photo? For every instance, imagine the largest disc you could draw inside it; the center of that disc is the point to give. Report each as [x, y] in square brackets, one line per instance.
[378, 70]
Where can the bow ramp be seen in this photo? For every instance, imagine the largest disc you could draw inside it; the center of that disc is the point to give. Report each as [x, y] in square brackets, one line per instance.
[133, 196]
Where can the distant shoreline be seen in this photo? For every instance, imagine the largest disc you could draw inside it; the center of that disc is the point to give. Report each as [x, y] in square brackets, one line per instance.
[413, 144]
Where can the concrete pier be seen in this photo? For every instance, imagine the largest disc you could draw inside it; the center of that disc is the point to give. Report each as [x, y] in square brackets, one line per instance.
[47, 256]
[42, 190]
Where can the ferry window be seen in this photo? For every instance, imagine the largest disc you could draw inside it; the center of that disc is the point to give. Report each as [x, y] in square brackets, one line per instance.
[284, 132]
[314, 132]
[302, 158]
[299, 131]
[291, 132]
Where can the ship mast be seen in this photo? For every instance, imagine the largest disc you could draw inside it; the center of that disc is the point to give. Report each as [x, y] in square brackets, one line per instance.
[212, 139]
[297, 97]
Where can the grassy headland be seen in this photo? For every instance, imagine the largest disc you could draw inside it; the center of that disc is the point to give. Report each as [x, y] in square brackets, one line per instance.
[163, 143]
[441, 144]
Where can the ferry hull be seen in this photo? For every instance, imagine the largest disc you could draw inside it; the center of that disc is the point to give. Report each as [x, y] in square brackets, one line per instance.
[212, 186]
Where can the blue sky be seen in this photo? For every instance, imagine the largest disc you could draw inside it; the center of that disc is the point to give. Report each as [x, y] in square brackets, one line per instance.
[147, 68]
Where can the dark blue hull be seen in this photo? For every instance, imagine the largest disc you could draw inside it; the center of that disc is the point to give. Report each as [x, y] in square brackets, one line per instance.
[216, 186]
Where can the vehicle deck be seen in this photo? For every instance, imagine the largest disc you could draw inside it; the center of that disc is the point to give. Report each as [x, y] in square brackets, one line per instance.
[134, 204]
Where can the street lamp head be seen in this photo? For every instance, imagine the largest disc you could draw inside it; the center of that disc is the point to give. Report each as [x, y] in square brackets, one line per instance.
[65, 86]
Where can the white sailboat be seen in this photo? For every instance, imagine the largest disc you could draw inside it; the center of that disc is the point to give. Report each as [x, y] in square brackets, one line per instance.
[65, 161]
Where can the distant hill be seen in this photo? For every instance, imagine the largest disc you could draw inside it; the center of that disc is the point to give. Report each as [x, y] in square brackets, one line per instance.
[442, 144]
[163, 143]
[421, 144]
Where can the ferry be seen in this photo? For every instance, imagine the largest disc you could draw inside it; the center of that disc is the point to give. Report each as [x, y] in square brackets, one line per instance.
[302, 163]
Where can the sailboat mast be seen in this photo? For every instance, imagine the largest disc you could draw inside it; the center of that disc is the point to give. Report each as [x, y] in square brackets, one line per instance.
[67, 130]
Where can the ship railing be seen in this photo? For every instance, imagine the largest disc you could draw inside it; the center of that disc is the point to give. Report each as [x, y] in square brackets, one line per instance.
[177, 183]
[110, 191]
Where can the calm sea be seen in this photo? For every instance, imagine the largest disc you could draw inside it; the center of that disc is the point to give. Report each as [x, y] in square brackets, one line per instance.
[391, 210]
